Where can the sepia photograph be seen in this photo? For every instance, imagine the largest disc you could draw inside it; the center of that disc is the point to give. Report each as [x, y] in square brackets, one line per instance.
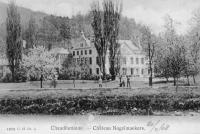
[99, 66]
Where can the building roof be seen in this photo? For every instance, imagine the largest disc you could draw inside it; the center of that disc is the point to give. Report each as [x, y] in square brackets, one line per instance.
[63, 51]
[60, 50]
[129, 44]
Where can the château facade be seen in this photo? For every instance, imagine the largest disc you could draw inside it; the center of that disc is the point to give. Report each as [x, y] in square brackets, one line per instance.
[133, 61]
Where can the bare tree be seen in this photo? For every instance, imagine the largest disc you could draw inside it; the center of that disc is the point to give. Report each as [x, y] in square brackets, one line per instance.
[112, 14]
[105, 24]
[99, 40]
[150, 50]
[195, 55]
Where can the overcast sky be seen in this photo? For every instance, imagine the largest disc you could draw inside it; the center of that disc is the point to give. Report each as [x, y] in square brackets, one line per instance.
[149, 12]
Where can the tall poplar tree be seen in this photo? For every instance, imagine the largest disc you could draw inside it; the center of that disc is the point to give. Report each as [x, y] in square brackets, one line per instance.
[105, 24]
[13, 39]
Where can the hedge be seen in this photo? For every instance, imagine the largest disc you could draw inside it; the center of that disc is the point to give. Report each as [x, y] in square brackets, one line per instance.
[101, 105]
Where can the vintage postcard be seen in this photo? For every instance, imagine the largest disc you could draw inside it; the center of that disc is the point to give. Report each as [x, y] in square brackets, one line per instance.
[99, 66]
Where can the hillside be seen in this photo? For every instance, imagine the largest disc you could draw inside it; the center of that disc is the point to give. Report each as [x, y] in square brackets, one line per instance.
[25, 16]
[129, 29]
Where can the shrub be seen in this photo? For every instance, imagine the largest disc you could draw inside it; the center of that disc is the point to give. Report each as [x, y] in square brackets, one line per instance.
[7, 78]
[21, 75]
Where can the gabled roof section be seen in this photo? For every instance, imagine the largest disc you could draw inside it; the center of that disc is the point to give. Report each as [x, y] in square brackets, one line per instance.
[86, 43]
[129, 44]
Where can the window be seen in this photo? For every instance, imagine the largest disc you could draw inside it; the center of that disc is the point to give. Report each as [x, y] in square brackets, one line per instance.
[142, 60]
[90, 51]
[73, 53]
[124, 71]
[77, 52]
[97, 70]
[81, 45]
[137, 61]
[90, 60]
[85, 52]
[90, 71]
[142, 71]
[82, 59]
[97, 60]
[131, 60]
[137, 71]
[81, 52]
[78, 60]
[124, 60]
[132, 71]
[86, 60]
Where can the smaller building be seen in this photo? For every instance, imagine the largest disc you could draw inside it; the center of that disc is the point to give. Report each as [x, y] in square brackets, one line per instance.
[3, 67]
[62, 54]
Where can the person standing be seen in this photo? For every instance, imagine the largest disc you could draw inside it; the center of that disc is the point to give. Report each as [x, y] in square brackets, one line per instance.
[41, 79]
[120, 80]
[100, 82]
[128, 81]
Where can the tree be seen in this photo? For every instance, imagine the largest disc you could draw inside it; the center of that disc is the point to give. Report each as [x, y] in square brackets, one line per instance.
[13, 39]
[99, 39]
[112, 13]
[174, 49]
[162, 64]
[105, 24]
[195, 55]
[31, 33]
[40, 61]
[177, 62]
[150, 49]
[65, 32]
[48, 34]
[75, 69]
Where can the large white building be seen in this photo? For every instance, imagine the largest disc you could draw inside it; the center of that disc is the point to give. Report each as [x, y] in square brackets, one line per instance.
[133, 61]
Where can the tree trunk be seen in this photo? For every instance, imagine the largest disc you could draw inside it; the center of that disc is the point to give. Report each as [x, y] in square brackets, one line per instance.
[112, 69]
[150, 77]
[13, 73]
[167, 79]
[188, 81]
[150, 66]
[194, 80]
[174, 81]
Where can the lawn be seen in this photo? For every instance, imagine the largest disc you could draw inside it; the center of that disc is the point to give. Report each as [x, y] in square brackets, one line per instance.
[87, 97]
[66, 84]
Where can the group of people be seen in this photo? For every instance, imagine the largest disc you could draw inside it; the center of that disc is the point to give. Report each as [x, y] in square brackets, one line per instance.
[54, 78]
[122, 82]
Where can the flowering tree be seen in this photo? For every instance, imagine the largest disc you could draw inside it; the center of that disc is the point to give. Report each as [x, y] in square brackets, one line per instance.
[40, 61]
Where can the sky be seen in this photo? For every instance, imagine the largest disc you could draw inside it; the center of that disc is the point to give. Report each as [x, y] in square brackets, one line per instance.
[148, 12]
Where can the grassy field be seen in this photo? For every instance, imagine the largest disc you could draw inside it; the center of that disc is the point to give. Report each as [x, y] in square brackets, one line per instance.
[67, 84]
[87, 97]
